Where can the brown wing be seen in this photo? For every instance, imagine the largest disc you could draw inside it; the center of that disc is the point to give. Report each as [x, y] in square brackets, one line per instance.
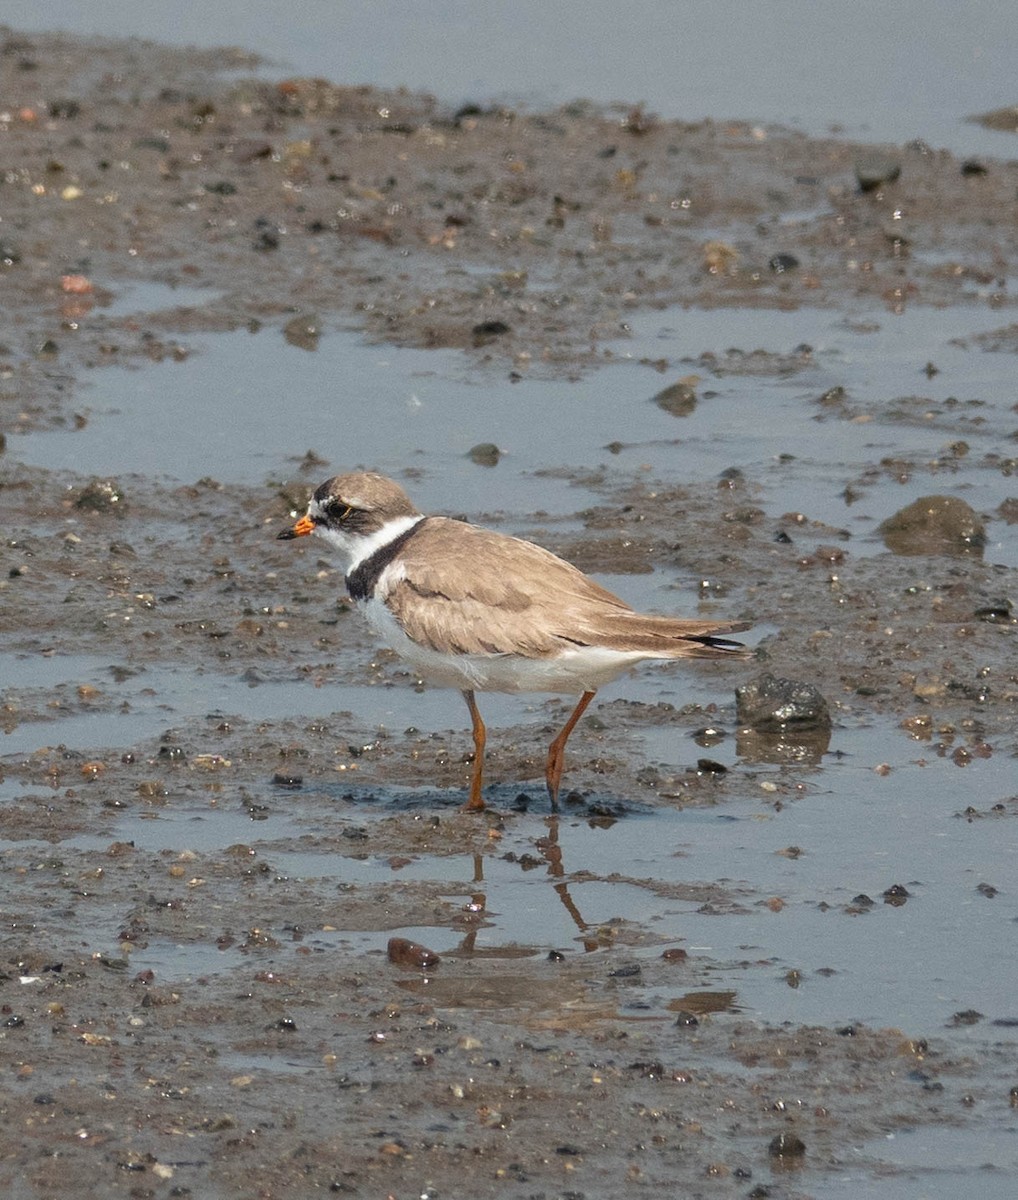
[476, 591]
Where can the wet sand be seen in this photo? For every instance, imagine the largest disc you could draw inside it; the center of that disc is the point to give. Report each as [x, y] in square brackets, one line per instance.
[198, 897]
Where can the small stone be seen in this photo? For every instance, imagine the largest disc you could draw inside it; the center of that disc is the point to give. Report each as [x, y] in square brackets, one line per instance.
[303, 332]
[287, 779]
[780, 263]
[76, 285]
[896, 895]
[487, 331]
[484, 454]
[934, 525]
[102, 496]
[675, 954]
[65, 110]
[678, 399]
[406, 953]
[710, 766]
[786, 1145]
[772, 705]
[968, 1016]
[997, 612]
[874, 170]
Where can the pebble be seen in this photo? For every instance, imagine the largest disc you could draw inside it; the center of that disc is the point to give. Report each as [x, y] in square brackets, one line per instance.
[486, 331]
[873, 170]
[769, 704]
[303, 332]
[287, 779]
[678, 399]
[406, 953]
[934, 525]
[101, 495]
[484, 454]
[786, 1145]
[780, 263]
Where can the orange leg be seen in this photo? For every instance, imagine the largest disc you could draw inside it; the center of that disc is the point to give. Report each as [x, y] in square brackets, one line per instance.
[557, 750]
[475, 803]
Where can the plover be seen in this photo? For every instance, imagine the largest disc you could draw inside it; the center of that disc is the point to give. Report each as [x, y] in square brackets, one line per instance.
[478, 610]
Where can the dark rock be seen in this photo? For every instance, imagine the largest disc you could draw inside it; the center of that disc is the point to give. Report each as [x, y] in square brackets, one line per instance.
[65, 110]
[874, 170]
[786, 1145]
[484, 454]
[101, 495]
[710, 766]
[770, 704]
[780, 263]
[678, 399]
[287, 779]
[997, 612]
[486, 331]
[968, 1016]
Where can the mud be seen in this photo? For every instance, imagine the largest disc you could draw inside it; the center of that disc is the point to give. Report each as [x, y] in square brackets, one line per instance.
[197, 898]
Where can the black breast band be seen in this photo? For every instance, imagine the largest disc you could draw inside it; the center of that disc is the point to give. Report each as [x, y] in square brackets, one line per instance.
[361, 581]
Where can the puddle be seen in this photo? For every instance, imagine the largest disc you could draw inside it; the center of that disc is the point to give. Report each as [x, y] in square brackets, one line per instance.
[149, 296]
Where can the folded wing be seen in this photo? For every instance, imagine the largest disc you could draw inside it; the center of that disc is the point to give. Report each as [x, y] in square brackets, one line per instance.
[475, 591]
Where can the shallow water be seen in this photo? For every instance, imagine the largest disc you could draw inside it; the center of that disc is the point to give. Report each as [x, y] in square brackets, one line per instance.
[911, 966]
[230, 412]
[887, 73]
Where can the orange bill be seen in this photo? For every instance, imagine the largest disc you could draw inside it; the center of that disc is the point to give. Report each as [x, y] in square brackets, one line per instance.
[303, 527]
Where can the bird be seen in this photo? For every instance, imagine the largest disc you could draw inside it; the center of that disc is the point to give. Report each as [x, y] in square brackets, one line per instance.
[478, 610]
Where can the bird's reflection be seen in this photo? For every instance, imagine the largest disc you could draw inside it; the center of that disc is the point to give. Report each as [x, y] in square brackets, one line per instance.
[551, 851]
[552, 854]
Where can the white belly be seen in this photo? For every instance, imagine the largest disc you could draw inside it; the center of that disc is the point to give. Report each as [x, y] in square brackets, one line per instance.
[576, 669]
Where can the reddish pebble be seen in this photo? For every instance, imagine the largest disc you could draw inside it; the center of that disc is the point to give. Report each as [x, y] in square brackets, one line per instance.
[410, 954]
[76, 285]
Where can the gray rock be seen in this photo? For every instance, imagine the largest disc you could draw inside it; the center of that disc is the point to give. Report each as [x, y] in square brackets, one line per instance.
[934, 525]
[769, 704]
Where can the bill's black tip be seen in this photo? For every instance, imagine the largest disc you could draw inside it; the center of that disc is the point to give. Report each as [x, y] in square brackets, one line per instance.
[285, 536]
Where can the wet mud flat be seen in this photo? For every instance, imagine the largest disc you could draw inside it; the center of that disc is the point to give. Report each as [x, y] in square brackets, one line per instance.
[217, 807]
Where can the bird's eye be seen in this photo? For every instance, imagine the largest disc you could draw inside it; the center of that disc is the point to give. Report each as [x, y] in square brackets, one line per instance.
[340, 512]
